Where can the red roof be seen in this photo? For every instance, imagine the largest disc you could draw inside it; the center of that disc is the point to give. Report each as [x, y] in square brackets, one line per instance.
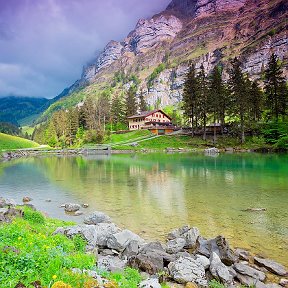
[148, 113]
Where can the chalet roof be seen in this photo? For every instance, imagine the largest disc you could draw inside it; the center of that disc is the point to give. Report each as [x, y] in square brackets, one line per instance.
[148, 113]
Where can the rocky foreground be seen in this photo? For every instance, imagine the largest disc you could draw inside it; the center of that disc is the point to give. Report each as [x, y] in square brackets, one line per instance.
[187, 259]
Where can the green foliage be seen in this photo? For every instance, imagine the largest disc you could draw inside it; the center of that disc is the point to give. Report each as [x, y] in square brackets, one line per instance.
[161, 67]
[130, 278]
[276, 134]
[33, 217]
[30, 252]
[215, 284]
[8, 142]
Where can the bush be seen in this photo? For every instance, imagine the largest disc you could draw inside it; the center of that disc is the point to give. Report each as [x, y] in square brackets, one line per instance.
[34, 217]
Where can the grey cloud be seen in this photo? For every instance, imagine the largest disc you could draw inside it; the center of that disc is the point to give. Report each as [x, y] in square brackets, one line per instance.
[50, 40]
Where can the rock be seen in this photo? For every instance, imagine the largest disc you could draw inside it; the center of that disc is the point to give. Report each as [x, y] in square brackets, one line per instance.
[26, 199]
[284, 282]
[111, 263]
[97, 217]
[186, 269]
[205, 262]
[189, 234]
[191, 285]
[211, 151]
[255, 209]
[249, 281]
[48, 200]
[219, 270]
[85, 205]
[95, 235]
[219, 245]
[151, 258]
[70, 207]
[78, 213]
[62, 206]
[242, 254]
[150, 283]
[107, 252]
[120, 240]
[272, 285]
[131, 249]
[175, 245]
[10, 202]
[249, 271]
[271, 266]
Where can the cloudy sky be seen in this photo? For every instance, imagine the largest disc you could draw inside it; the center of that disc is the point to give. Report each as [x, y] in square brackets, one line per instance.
[45, 43]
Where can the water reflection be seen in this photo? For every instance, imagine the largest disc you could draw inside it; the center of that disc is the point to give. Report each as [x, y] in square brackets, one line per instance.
[152, 194]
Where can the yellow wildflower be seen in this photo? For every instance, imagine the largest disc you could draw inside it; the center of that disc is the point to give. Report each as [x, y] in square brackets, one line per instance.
[54, 277]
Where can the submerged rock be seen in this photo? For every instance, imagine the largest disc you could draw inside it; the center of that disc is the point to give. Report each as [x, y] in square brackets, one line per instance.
[242, 254]
[26, 199]
[271, 266]
[71, 207]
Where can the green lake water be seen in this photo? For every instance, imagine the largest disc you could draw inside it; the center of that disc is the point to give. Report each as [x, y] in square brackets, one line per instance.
[152, 194]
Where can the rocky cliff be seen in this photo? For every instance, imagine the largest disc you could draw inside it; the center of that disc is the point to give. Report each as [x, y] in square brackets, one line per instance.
[203, 31]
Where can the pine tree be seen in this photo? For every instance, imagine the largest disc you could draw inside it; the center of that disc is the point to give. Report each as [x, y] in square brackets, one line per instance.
[218, 98]
[142, 105]
[240, 94]
[275, 88]
[202, 98]
[131, 102]
[190, 96]
[256, 100]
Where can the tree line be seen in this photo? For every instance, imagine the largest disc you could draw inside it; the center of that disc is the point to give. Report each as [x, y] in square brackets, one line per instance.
[243, 101]
[91, 120]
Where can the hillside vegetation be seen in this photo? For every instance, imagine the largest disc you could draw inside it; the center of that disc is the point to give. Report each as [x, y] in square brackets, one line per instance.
[8, 142]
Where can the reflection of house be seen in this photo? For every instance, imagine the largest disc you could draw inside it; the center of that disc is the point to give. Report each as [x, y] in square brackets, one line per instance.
[156, 121]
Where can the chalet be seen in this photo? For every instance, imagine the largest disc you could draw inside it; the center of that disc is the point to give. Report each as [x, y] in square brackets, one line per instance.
[156, 121]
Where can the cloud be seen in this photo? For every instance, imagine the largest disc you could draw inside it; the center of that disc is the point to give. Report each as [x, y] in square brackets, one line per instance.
[45, 43]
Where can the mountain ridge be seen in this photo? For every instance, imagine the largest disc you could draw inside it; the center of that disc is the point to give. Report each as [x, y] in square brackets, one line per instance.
[206, 32]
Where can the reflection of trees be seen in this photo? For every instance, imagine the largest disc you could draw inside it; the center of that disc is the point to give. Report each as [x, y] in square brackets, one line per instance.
[157, 193]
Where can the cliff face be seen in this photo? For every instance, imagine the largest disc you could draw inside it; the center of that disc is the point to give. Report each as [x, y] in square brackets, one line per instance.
[203, 31]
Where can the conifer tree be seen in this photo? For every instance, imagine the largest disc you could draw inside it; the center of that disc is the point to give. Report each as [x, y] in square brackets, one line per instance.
[142, 105]
[202, 98]
[131, 102]
[239, 94]
[190, 96]
[256, 100]
[118, 114]
[275, 88]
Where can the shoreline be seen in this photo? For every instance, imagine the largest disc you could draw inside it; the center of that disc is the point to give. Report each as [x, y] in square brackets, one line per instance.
[185, 249]
[32, 152]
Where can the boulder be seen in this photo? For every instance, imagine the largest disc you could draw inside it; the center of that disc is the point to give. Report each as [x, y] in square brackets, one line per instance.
[175, 245]
[111, 263]
[242, 254]
[205, 262]
[26, 199]
[151, 258]
[78, 213]
[249, 271]
[189, 234]
[186, 269]
[85, 205]
[150, 283]
[97, 217]
[218, 245]
[249, 281]
[71, 207]
[271, 266]
[131, 249]
[284, 282]
[219, 271]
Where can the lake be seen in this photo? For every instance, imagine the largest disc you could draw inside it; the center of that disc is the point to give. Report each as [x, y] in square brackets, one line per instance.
[151, 194]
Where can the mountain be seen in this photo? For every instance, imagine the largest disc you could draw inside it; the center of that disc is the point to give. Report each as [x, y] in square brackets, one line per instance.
[17, 109]
[156, 54]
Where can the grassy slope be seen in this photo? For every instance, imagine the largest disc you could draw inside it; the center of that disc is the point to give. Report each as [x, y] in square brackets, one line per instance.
[175, 141]
[33, 253]
[8, 142]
